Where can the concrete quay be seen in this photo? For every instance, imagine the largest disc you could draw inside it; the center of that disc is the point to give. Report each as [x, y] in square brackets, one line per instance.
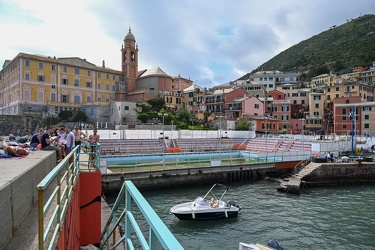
[19, 178]
[326, 174]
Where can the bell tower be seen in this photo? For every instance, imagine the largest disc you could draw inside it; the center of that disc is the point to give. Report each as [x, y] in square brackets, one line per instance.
[129, 56]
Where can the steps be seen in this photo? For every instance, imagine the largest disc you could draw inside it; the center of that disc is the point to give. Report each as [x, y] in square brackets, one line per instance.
[293, 184]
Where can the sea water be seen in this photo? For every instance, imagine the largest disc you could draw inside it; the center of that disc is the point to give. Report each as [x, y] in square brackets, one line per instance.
[337, 217]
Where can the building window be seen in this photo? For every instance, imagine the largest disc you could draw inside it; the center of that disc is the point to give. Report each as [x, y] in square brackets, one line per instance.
[113, 77]
[316, 105]
[107, 86]
[40, 78]
[64, 98]
[107, 76]
[88, 84]
[256, 106]
[53, 67]
[343, 112]
[65, 69]
[53, 97]
[27, 76]
[367, 117]
[76, 71]
[99, 98]
[367, 125]
[88, 98]
[76, 82]
[99, 75]
[64, 81]
[99, 85]
[126, 107]
[88, 73]
[366, 108]
[344, 126]
[27, 63]
[77, 99]
[316, 97]
[41, 65]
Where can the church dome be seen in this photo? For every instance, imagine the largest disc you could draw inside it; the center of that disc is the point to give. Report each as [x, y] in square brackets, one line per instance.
[130, 36]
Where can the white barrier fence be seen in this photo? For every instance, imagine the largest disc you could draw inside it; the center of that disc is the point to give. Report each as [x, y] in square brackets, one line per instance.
[170, 134]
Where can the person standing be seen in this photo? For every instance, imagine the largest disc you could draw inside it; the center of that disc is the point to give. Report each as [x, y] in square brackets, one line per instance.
[69, 140]
[46, 140]
[79, 135]
[94, 138]
[329, 159]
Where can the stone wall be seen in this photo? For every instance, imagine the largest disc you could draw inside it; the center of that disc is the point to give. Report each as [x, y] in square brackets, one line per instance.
[19, 125]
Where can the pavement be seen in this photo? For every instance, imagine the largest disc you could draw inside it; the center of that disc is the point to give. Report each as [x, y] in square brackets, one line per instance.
[26, 236]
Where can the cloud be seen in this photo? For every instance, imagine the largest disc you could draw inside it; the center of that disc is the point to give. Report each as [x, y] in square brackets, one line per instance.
[210, 42]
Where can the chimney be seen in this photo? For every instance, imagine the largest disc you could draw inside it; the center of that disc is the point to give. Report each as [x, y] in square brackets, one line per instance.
[103, 64]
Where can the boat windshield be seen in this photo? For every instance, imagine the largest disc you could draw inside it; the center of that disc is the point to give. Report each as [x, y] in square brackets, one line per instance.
[200, 200]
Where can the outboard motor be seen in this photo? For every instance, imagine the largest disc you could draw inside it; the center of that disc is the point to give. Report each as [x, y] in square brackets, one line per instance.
[273, 244]
[231, 203]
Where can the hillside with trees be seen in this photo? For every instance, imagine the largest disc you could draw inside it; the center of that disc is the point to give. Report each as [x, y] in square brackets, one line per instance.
[338, 49]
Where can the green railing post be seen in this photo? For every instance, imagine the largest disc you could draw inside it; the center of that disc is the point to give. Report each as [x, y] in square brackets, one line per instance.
[40, 220]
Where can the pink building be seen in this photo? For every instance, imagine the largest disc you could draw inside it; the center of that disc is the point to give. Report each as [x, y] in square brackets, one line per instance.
[252, 106]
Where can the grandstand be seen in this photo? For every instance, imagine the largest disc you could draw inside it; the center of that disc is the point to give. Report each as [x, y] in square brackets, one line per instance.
[155, 146]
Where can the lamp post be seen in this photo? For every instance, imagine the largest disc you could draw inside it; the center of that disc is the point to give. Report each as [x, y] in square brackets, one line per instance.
[163, 115]
[220, 116]
[172, 129]
[303, 141]
[192, 133]
[266, 139]
[154, 122]
[352, 113]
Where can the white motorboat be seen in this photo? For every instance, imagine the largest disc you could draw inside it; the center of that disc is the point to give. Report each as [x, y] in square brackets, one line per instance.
[271, 245]
[207, 207]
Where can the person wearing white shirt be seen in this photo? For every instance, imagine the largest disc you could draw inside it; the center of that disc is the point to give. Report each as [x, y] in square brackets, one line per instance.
[69, 140]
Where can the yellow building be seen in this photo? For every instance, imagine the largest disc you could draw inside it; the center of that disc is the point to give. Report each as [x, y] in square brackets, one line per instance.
[349, 89]
[322, 80]
[41, 84]
[314, 119]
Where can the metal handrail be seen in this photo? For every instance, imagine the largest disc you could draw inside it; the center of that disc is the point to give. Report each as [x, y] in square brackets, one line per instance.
[158, 232]
[66, 175]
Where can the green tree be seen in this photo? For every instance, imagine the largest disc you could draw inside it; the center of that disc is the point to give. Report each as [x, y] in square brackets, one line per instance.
[80, 116]
[66, 114]
[156, 104]
[143, 117]
[183, 115]
[50, 121]
[243, 124]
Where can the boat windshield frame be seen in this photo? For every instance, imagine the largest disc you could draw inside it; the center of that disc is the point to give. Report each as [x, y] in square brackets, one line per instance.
[211, 191]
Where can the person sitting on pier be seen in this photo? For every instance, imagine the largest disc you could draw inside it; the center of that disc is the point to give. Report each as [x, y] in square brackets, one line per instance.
[46, 140]
[35, 139]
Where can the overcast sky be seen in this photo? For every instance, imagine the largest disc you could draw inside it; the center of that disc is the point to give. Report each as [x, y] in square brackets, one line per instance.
[210, 42]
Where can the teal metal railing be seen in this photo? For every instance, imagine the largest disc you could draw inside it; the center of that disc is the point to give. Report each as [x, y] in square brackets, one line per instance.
[54, 198]
[55, 193]
[158, 232]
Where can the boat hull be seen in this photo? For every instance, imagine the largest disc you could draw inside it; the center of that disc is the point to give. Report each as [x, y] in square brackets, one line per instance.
[207, 216]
